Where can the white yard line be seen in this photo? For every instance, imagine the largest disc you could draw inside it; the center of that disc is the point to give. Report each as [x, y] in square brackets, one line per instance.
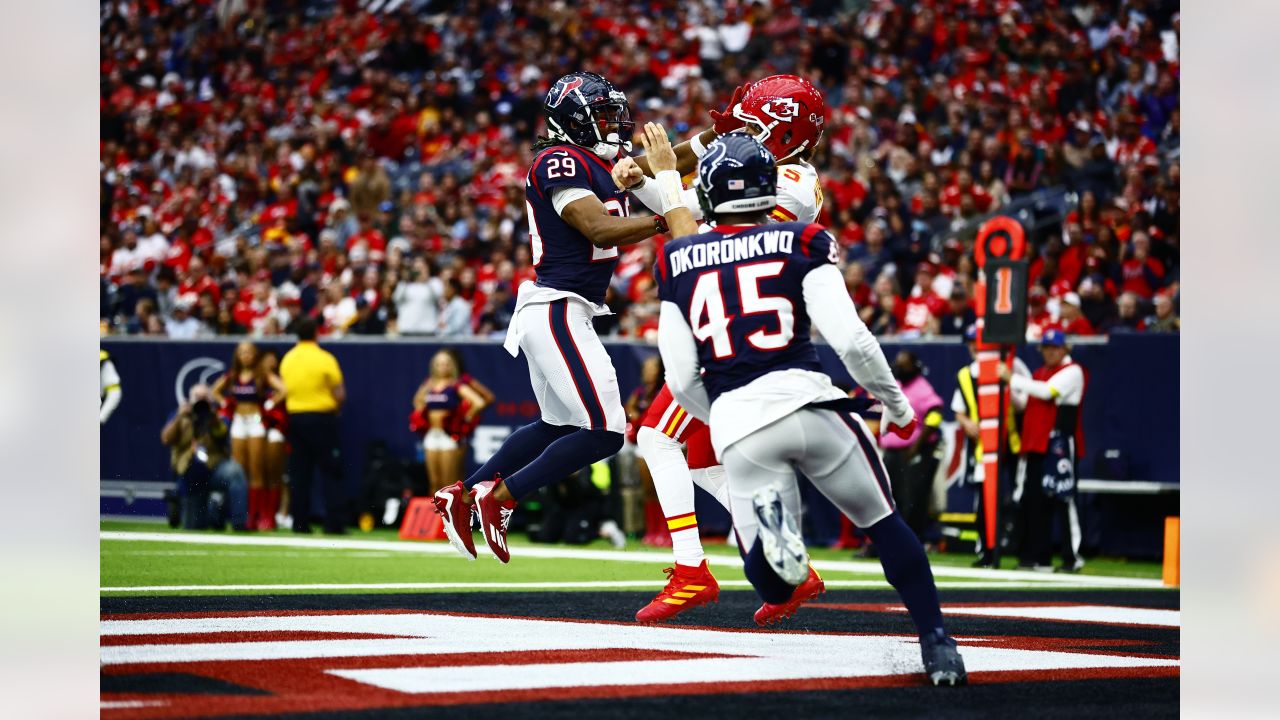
[567, 585]
[860, 567]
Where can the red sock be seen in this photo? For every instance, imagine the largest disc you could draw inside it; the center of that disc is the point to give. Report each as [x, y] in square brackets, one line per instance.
[271, 504]
[654, 522]
[255, 508]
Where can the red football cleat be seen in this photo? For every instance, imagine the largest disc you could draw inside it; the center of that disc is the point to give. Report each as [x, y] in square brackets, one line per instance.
[494, 516]
[687, 587]
[456, 515]
[811, 588]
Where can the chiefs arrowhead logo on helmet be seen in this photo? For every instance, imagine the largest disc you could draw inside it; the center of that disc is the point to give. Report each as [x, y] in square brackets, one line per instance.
[783, 109]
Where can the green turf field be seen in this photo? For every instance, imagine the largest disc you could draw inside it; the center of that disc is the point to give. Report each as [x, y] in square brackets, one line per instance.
[152, 560]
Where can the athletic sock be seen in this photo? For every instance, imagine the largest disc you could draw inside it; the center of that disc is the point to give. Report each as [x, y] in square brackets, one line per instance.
[565, 456]
[519, 449]
[906, 567]
[771, 588]
[255, 508]
[674, 485]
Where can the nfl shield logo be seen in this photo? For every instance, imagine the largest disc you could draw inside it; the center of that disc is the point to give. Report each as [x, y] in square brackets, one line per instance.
[736, 184]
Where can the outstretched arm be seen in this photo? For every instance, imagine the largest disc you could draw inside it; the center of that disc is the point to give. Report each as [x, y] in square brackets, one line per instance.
[628, 176]
[670, 194]
[588, 216]
[686, 154]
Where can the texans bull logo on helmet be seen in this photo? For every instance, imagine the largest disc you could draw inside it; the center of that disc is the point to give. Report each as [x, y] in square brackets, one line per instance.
[565, 86]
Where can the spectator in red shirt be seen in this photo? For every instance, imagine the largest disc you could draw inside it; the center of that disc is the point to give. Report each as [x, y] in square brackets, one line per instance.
[962, 187]
[923, 307]
[1141, 274]
[855, 279]
[1134, 147]
[1038, 317]
[197, 281]
[1070, 317]
[371, 239]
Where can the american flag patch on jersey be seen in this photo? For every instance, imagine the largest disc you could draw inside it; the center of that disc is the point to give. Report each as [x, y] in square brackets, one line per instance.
[737, 184]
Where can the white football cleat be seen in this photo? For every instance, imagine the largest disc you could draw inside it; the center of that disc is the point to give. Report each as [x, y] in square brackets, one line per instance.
[780, 539]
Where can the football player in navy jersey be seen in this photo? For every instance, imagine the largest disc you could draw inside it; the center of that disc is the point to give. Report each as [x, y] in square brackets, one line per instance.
[577, 220]
[737, 305]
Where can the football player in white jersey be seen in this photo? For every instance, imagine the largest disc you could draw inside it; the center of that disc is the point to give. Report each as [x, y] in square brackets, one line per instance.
[786, 114]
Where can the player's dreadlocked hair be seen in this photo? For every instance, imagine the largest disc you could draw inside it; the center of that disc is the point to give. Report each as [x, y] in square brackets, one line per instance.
[542, 142]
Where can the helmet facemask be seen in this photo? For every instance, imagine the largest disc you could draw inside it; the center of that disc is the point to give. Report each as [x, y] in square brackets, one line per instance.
[600, 126]
[611, 122]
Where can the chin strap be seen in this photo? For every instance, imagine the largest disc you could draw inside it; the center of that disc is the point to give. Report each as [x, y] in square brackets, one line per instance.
[608, 148]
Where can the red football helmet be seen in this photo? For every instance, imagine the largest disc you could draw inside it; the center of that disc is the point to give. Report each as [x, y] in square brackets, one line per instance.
[788, 112]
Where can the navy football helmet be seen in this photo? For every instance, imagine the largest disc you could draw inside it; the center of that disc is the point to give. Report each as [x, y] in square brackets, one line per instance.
[737, 174]
[585, 109]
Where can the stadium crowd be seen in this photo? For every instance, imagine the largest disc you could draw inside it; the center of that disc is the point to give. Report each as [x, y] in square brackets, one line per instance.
[363, 162]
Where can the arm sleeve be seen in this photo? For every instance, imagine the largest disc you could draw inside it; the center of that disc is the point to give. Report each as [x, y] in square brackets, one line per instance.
[1034, 388]
[833, 313]
[562, 196]
[649, 196]
[957, 403]
[680, 356]
[1069, 383]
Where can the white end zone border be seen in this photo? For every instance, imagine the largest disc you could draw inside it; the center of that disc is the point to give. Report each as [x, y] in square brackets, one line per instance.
[1006, 578]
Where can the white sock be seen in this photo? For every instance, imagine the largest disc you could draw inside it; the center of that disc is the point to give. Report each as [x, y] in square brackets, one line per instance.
[674, 485]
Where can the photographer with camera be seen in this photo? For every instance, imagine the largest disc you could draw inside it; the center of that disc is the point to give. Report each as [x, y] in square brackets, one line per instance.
[197, 442]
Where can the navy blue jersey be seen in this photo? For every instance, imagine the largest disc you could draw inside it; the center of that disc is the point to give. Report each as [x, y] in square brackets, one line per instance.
[740, 290]
[562, 256]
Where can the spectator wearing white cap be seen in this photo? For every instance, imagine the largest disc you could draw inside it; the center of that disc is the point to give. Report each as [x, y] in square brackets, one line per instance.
[1071, 319]
[340, 221]
[182, 325]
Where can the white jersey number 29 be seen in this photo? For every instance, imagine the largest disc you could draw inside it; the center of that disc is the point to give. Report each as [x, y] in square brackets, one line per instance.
[708, 302]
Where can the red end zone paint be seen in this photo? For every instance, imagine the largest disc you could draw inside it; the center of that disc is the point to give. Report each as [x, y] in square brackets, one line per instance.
[309, 684]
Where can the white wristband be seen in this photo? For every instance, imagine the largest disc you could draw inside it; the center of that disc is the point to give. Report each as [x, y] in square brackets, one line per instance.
[671, 190]
[695, 144]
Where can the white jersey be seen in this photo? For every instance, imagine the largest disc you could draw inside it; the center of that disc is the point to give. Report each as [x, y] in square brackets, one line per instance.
[799, 194]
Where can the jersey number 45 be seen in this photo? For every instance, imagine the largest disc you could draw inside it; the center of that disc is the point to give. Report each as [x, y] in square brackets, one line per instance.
[712, 324]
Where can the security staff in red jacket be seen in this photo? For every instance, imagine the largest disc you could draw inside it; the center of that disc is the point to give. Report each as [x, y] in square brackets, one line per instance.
[1052, 438]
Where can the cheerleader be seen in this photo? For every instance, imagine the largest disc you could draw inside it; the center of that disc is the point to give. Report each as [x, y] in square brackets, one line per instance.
[447, 408]
[247, 389]
[276, 420]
